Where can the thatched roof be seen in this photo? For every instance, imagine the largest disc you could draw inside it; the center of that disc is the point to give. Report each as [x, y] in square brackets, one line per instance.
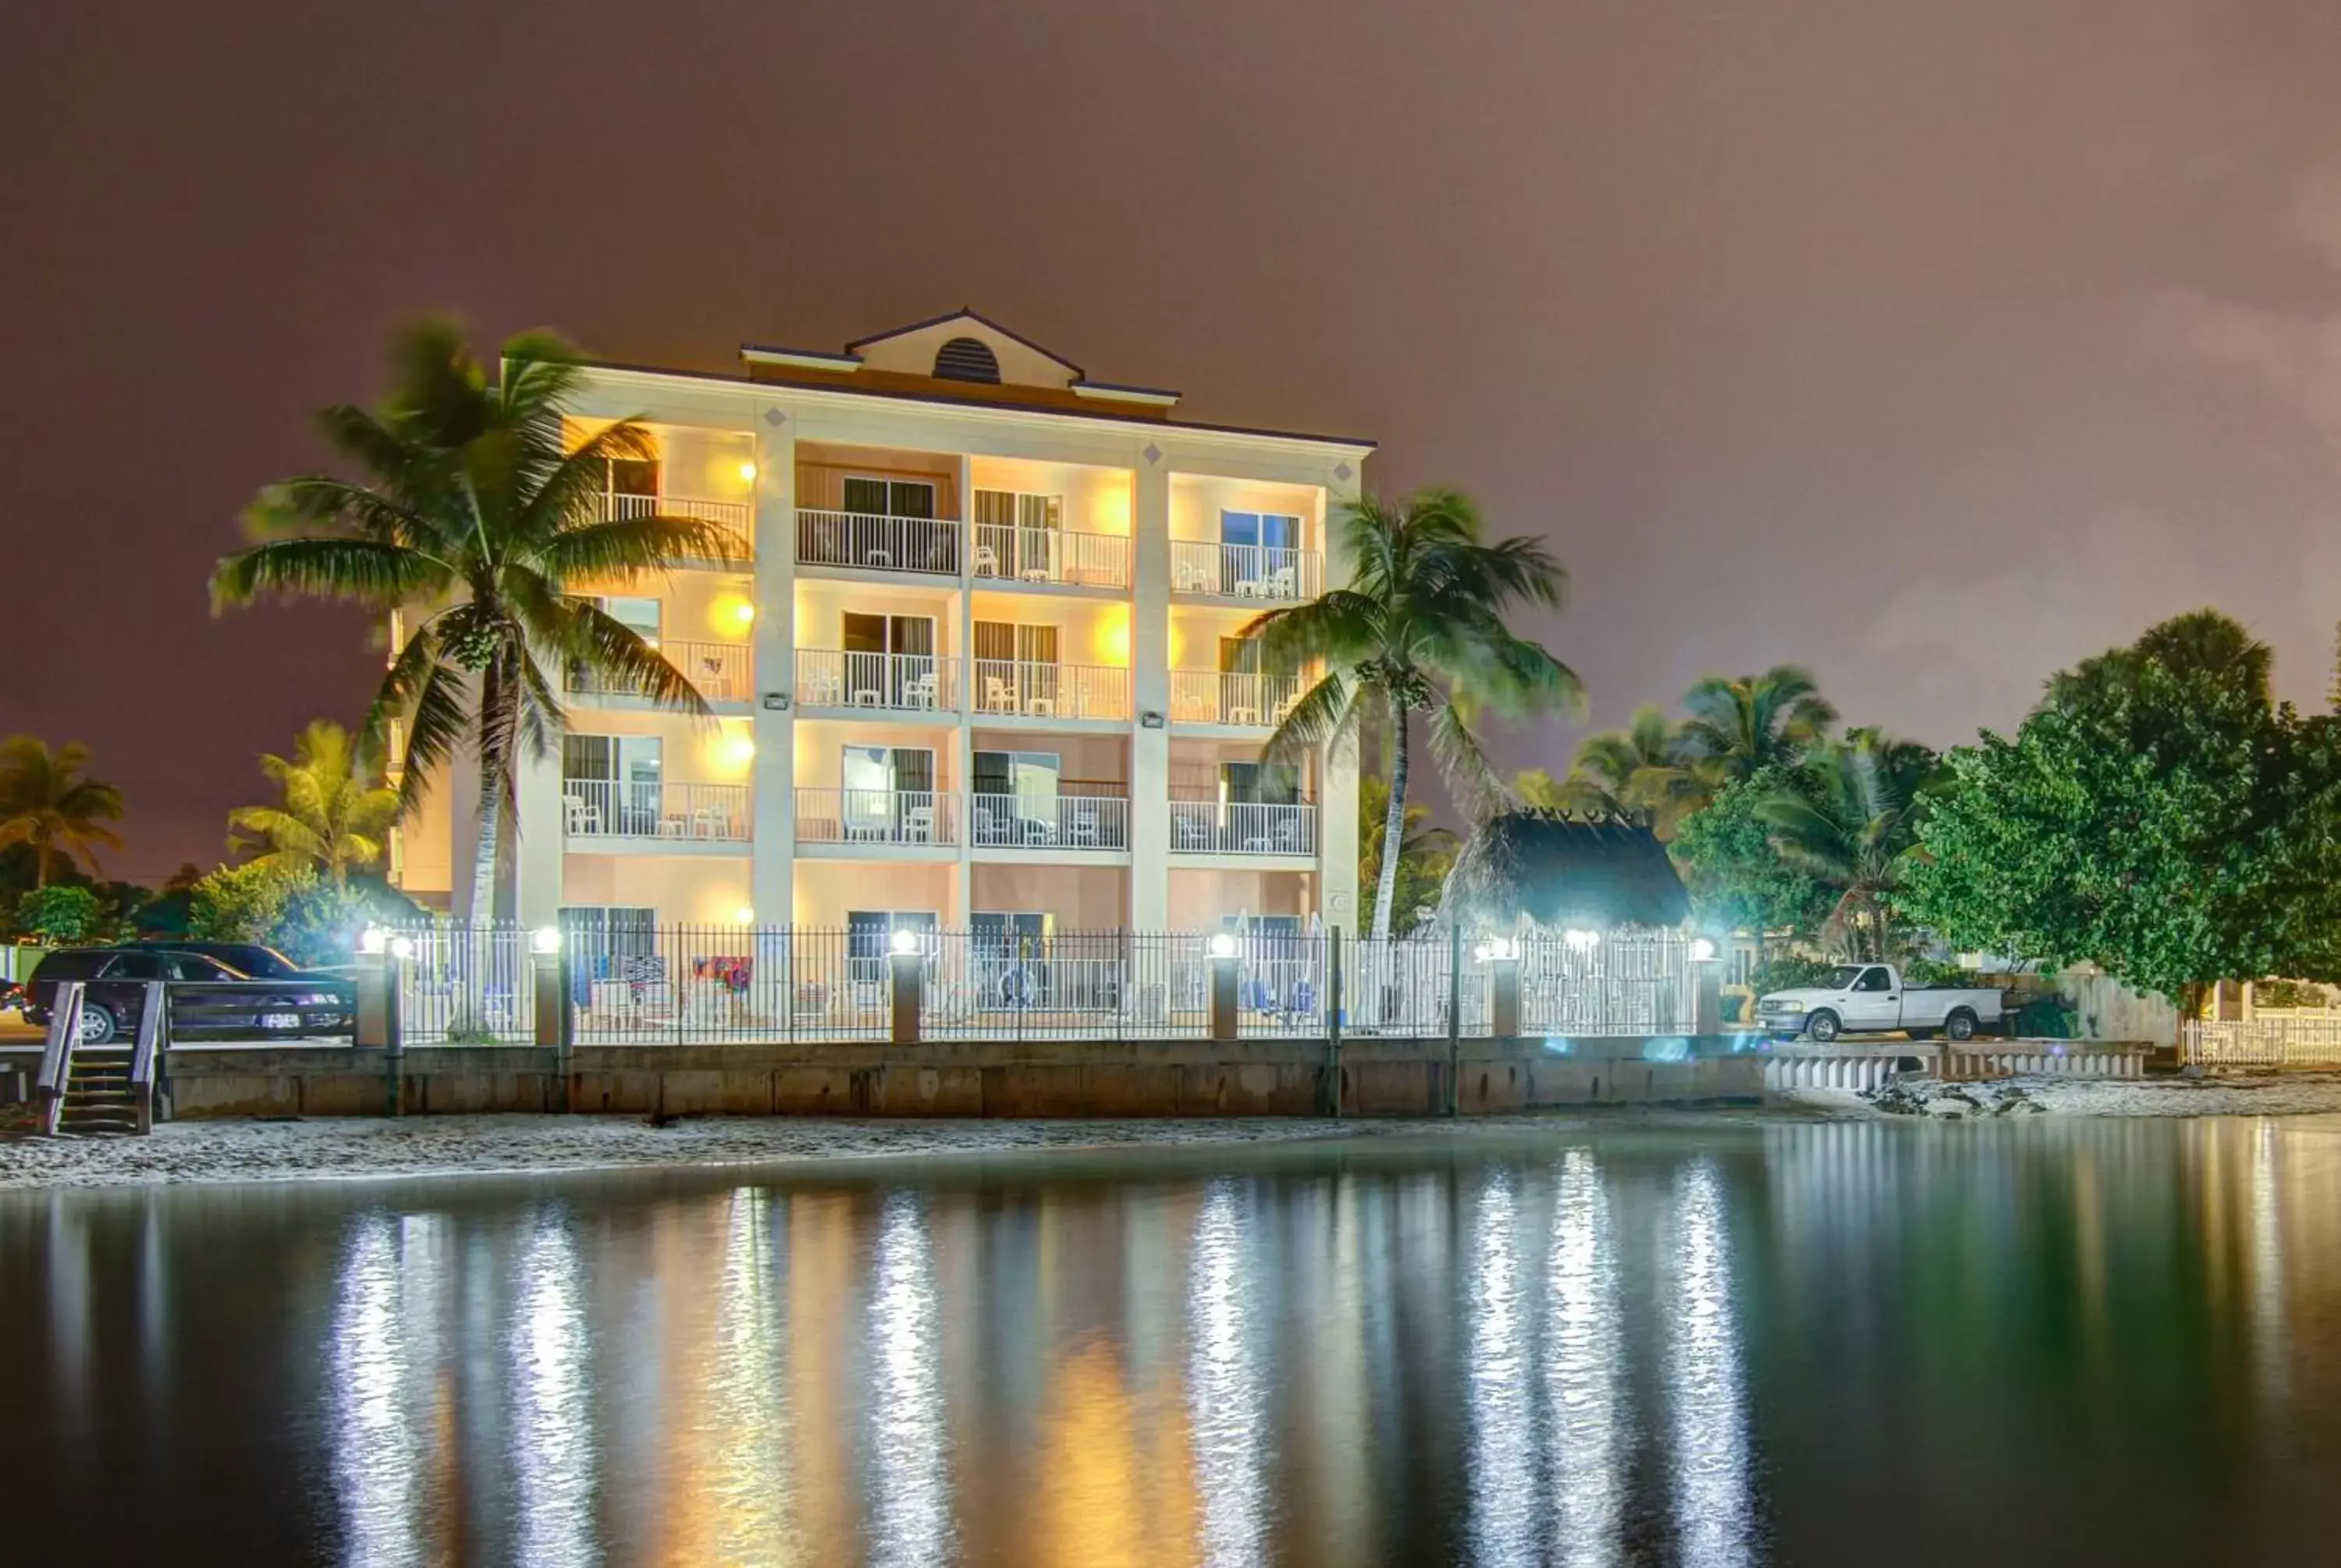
[1560, 871]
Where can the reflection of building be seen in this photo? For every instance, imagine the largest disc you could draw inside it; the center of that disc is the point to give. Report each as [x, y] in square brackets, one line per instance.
[979, 667]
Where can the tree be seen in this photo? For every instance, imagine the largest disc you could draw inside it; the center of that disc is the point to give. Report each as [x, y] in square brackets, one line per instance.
[1848, 820]
[1426, 854]
[1739, 725]
[1418, 629]
[47, 801]
[243, 903]
[1644, 774]
[476, 516]
[59, 914]
[335, 814]
[2157, 815]
[1739, 882]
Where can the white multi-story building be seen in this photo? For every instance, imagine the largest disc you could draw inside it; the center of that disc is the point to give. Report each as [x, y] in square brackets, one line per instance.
[983, 672]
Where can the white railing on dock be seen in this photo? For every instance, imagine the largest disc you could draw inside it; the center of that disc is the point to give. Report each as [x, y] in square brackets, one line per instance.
[2295, 1040]
[912, 817]
[736, 518]
[632, 808]
[866, 540]
[1270, 572]
[1242, 828]
[1049, 822]
[1017, 686]
[1051, 555]
[1232, 697]
[898, 682]
[718, 670]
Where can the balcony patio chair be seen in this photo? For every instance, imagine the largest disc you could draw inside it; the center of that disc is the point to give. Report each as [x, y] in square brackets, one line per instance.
[1194, 834]
[1250, 588]
[711, 822]
[1033, 574]
[1243, 713]
[878, 555]
[987, 561]
[1037, 830]
[1284, 583]
[919, 691]
[584, 816]
[674, 825]
[988, 829]
[1194, 579]
[918, 825]
[820, 691]
[1082, 827]
[999, 697]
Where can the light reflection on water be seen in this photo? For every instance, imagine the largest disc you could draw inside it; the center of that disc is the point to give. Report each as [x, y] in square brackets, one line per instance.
[1586, 1352]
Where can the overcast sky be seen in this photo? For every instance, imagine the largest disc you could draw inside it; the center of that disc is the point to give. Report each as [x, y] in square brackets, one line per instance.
[1934, 346]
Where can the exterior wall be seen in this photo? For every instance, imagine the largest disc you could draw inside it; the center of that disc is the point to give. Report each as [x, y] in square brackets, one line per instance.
[1087, 632]
[820, 746]
[1201, 897]
[1094, 759]
[1097, 500]
[1080, 898]
[822, 605]
[913, 353]
[827, 890]
[823, 470]
[694, 889]
[697, 461]
[1198, 499]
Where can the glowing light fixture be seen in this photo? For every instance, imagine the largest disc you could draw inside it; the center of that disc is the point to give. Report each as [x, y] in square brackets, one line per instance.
[905, 941]
[745, 916]
[743, 613]
[1581, 941]
[1702, 949]
[741, 748]
[544, 939]
[747, 473]
[372, 940]
[402, 946]
[1223, 944]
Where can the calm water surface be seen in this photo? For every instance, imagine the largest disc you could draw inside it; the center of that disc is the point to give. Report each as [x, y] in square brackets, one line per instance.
[2078, 1343]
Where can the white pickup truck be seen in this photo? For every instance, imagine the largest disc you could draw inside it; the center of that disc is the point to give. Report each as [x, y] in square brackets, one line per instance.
[1870, 998]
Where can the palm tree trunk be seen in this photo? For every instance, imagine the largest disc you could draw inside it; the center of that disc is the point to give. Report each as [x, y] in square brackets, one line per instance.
[483, 860]
[40, 863]
[1393, 825]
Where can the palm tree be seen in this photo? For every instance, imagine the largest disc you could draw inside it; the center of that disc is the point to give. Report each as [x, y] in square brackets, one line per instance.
[1740, 725]
[335, 814]
[475, 517]
[1425, 855]
[1850, 825]
[1419, 630]
[47, 801]
[1643, 774]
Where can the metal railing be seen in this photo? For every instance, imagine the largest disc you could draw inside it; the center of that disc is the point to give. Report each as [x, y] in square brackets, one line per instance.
[1261, 572]
[897, 682]
[1242, 828]
[1016, 686]
[466, 985]
[1049, 821]
[916, 816]
[632, 808]
[1079, 984]
[1004, 550]
[1232, 697]
[719, 670]
[877, 543]
[2290, 1041]
[737, 519]
[712, 983]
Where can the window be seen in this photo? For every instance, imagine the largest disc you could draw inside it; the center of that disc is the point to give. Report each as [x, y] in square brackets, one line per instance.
[1872, 980]
[891, 657]
[889, 793]
[1268, 530]
[913, 498]
[869, 937]
[1017, 534]
[612, 781]
[638, 615]
[135, 966]
[966, 360]
[1016, 796]
[611, 942]
[1260, 783]
[1009, 949]
[1015, 668]
[634, 476]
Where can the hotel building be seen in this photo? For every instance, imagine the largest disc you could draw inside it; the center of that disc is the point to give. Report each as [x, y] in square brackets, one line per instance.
[981, 669]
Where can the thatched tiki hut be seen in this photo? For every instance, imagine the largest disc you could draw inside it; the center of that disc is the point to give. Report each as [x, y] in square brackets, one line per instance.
[1562, 874]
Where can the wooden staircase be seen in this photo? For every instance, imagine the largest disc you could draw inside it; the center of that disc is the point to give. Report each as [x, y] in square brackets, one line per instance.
[100, 1089]
[99, 1096]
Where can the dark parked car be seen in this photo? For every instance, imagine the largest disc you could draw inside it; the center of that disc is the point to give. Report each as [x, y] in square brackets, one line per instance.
[235, 1006]
[261, 963]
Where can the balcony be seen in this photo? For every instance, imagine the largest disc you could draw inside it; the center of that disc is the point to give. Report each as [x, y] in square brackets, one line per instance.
[719, 671]
[882, 682]
[916, 816]
[625, 809]
[1036, 690]
[1236, 697]
[1266, 572]
[872, 542]
[737, 519]
[1061, 821]
[1242, 828]
[1051, 555]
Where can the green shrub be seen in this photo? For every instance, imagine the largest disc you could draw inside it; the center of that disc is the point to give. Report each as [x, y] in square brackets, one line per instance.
[1788, 972]
[60, 914]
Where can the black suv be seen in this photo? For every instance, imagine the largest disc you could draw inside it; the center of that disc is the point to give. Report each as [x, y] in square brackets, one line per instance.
[235, 1007]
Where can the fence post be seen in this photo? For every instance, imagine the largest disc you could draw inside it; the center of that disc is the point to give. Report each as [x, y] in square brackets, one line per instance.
[1455, 1018]
[1333, 1020]
[56, 1053]
[1504, 990]
[556, 1022]
[1227, 1013]
[908, 972]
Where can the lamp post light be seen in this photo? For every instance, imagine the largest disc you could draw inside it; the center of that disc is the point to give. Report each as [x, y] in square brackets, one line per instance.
[1227, 1002]
[907, 974]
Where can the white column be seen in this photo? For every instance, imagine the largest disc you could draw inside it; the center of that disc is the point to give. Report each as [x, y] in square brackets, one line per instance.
[1337, 831]
[772, 782]
[1149, 660]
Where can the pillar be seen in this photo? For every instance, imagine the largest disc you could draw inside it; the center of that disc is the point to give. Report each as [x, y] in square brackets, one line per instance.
[773, 799]
[1337, 832]
[1150, 658]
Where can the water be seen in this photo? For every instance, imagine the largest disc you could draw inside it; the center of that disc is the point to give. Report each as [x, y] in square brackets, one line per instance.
[2083, 1342]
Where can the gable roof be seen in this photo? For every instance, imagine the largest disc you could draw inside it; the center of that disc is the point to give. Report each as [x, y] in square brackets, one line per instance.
[966, 313]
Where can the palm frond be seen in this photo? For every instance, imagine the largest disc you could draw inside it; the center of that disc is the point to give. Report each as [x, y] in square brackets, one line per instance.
[353, 570]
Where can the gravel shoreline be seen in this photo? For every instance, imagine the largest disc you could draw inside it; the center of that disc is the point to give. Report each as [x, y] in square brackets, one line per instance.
[377, 1148]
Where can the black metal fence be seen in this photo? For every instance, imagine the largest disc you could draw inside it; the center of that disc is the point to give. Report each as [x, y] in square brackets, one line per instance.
[692, 985]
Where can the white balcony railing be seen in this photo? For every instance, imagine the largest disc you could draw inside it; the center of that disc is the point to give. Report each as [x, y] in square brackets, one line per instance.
[826, 815]
[1245, 570]
[1051, 555]
[632, 808]
[878, 543]
[1017, 686]
[896, 683]
[719, 671]
[1050, 821]
[735, 517]
[1242, 828]
[1232, 696]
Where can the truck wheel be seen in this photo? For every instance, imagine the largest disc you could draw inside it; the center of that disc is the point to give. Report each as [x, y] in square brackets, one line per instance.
[98, 1025]
[1822, 1027]
[1961, 1025]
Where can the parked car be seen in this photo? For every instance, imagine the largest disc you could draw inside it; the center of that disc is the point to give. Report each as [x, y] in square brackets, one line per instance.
[231, 1006]
[1870, 998]
[253, 959]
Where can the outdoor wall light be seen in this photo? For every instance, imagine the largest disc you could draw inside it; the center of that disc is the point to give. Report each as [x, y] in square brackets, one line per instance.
[747, 473]
[402, 946]
[1581, 941]
[744, 916]
[372, 940]
[544, 939]
[743, 613]
[1223, 945]
[1702, 949]
[905, 941]
[741, 749]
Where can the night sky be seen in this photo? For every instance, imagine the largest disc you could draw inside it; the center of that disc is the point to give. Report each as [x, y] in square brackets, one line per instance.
[1933, 344]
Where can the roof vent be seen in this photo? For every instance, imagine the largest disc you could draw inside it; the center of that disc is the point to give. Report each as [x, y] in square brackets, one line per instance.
[966, 360]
